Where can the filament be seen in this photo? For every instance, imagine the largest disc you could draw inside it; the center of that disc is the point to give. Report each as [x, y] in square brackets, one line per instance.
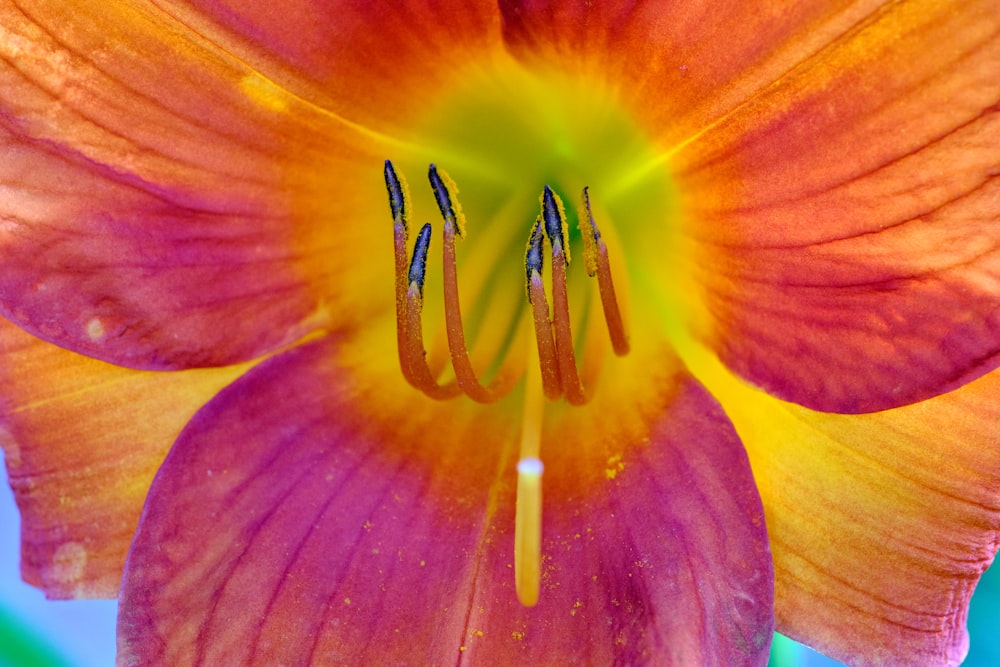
[509, 374]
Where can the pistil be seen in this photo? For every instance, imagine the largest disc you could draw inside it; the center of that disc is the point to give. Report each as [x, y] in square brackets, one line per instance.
[528, 531]
[528, 508]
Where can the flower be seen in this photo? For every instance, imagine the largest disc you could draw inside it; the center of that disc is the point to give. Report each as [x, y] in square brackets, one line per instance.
[798, 196]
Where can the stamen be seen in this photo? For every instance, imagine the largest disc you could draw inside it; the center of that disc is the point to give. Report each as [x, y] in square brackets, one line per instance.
[556, 357]
[597, 262]
[555, 222]
[399, 205]
[528, 531]
[546, 347]
[510, 373]
[413, 354]
[409, 298]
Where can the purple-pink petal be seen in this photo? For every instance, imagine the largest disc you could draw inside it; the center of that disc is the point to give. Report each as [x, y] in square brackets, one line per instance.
[288, 527]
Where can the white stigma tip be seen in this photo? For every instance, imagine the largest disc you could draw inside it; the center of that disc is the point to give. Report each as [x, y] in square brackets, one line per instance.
[530, 466]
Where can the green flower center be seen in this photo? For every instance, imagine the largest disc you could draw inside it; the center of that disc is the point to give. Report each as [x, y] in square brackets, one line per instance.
[503, 133]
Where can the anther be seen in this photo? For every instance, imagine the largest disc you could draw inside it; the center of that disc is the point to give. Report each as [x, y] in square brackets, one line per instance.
[534, 257]
[418, 266]
[555, 222]
[397, 194]
[444, 188]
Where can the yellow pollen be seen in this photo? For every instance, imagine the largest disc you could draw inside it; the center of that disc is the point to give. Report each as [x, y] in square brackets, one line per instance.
[614, 466]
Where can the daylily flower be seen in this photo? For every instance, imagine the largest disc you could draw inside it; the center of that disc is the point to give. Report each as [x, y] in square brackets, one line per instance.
[206, 313]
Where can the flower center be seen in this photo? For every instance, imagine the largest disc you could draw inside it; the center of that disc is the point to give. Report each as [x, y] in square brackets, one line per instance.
[553, 331]
[505, 131]
[558, 372]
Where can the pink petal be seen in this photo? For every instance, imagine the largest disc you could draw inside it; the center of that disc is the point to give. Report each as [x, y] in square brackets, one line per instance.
[307, 515]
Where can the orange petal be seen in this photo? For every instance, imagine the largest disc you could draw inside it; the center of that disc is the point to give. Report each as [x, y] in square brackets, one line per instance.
[82, 441]
[680, 66]
[880, 524]
[302, 518]
[157, 191]
[373, 64]
[846, 216]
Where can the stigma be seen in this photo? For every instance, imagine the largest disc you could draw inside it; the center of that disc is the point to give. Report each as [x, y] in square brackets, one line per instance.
[559, 376]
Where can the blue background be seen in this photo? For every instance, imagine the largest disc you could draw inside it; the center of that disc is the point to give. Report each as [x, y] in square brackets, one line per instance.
[38, 633]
